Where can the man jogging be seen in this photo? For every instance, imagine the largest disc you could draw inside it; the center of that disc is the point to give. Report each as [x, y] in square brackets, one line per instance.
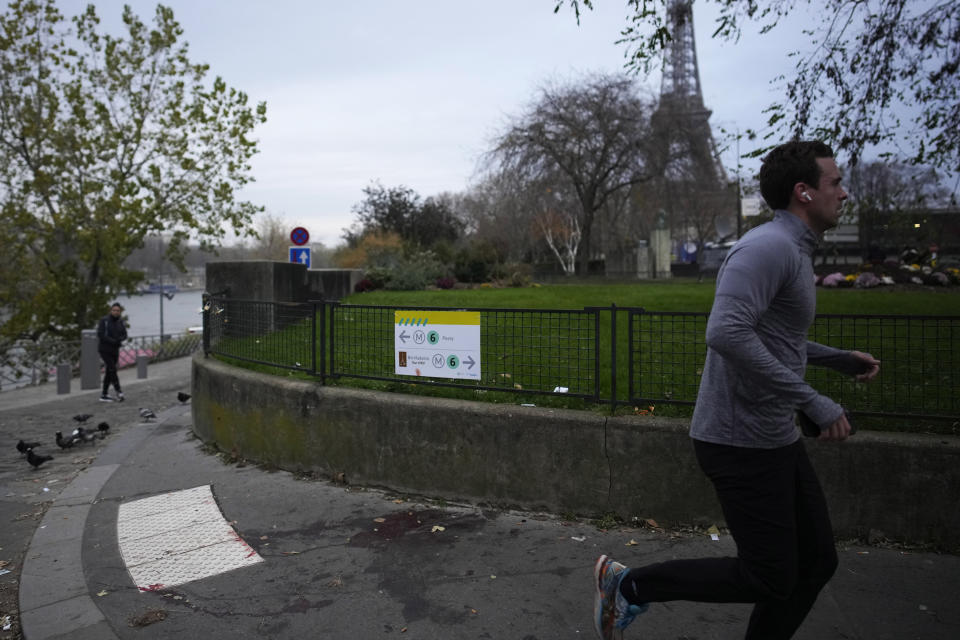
[111, 332]
[743, 427]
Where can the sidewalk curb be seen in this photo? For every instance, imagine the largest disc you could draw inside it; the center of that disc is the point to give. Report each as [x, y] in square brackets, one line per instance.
[54, 599]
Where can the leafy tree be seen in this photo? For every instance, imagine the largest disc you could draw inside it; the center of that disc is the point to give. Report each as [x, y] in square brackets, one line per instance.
[593, 136]
[878, 72]
[373, 249]
[399, 210]
[104, 140]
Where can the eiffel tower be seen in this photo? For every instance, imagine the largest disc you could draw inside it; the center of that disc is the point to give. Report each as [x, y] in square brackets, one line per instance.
[681, 117]
[693, 201]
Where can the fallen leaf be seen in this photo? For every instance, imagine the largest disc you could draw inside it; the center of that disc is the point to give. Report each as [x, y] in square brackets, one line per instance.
[149, 617]
[632, 543]
[379, 519]
[102, 593]
[713, 529]
[264, 537]
[652, 523]
[436, 528]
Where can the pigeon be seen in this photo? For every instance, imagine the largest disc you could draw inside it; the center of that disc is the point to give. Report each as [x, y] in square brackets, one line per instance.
[23, 447]
[183, 397]
[86, 436]
[36, 460]
[83, 417]
[103, 428]
[64, 443]
[147, 414]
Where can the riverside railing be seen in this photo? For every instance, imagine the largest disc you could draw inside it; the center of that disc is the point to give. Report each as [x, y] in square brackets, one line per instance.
[581, 353]
[28, 363]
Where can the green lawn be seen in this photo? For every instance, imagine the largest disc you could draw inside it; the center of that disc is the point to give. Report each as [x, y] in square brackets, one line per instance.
[679, 295]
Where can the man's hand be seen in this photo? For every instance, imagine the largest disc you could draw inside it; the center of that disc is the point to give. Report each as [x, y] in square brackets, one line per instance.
[838, 431]
[871, 366]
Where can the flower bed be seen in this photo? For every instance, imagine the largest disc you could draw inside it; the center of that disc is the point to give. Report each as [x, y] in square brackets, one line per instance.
[889, 272]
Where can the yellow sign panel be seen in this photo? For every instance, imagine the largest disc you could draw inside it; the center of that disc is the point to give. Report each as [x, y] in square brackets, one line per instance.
[423, 318]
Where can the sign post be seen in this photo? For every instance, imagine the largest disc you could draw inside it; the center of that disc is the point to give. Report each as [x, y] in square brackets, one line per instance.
[437, 344]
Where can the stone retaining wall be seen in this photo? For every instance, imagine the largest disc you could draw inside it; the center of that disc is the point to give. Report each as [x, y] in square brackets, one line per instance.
[905, 487]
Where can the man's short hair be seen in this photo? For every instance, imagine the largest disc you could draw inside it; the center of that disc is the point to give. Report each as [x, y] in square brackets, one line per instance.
[788, 164]
[117, 304]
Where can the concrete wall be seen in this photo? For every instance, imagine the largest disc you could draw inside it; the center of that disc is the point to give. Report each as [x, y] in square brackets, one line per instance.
[274, 281]
[262, 280]
[337, 283]
[907, 487]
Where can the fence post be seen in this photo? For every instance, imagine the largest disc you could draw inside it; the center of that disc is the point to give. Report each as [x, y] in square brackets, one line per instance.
[64, 374]
[596, 353]
[89, 360]
[313, 338]
[631, 314]
[323, 342]
[613, 358]
[205, 305]
[142, 367]
[333, 328]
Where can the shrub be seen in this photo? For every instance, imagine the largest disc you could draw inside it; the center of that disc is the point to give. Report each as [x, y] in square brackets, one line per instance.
[446, 282]
[364, 285]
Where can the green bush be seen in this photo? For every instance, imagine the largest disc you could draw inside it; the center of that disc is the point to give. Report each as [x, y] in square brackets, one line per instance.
[412, 272]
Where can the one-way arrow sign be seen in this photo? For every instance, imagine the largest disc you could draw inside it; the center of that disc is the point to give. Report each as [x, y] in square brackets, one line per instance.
[403, 336]
[300, 255]
[469, 362]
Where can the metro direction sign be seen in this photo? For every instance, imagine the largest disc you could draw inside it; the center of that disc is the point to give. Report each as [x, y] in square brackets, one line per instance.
[437, 344]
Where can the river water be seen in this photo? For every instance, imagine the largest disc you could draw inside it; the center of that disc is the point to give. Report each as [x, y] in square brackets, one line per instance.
[179, 314]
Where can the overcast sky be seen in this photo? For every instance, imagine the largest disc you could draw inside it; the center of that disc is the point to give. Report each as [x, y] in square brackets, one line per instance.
[412, 92]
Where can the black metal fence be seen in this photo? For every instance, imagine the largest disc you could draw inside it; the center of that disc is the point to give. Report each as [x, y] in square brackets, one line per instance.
[920, 356]
[577, 353]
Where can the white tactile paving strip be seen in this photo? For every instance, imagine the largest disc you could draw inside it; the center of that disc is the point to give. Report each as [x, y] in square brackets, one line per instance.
[178, 537]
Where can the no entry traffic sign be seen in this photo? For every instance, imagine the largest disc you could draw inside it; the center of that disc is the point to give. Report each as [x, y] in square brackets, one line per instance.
[299, 236]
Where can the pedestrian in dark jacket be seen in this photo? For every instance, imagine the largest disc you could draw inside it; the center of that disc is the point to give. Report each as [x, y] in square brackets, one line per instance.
[111, 332]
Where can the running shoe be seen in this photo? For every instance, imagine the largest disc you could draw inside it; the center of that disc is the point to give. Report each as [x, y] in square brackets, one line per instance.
[611, 611]
[106, 399]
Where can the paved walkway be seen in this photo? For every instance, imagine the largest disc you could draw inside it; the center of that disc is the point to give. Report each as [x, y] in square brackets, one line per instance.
[353, 562]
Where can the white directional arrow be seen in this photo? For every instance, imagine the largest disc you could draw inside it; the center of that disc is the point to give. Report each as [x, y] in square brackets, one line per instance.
[469, 362]
[303, 257]
[403, 336]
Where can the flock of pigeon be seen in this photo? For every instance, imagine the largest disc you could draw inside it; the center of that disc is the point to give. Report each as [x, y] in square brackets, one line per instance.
[81, 435]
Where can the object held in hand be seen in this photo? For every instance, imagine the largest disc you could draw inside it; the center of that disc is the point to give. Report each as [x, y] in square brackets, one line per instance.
[811, 429]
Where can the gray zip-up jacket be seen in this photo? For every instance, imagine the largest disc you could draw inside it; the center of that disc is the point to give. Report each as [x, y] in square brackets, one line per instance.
[757, 347]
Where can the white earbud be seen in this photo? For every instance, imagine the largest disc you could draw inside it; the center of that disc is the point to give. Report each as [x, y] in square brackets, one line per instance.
[806, 196]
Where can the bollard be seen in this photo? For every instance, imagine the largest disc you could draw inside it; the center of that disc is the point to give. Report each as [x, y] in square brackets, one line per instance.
[63, 379]
[89, 360]
[142, 366]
